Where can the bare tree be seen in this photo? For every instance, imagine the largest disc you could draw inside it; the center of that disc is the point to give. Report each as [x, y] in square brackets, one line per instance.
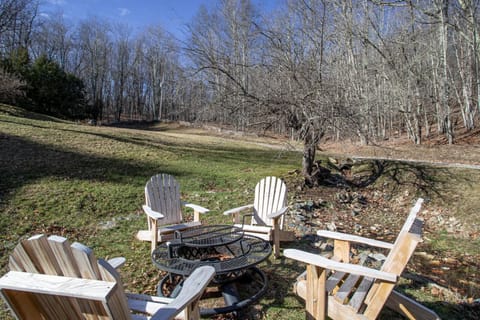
[11, 88]
[17, 19]
[95, 48]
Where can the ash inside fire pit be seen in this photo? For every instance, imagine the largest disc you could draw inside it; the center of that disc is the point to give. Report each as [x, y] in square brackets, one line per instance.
[204, 254]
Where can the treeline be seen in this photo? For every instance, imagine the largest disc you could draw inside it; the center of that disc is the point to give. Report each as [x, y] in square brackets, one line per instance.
[367, 69]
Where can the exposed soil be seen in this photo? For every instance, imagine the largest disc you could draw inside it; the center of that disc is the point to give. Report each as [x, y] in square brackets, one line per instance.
[466, 149]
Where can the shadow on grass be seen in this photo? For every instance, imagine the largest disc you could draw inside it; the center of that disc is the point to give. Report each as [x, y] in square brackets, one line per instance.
[23, 161]
[215, 154]
[395, 175]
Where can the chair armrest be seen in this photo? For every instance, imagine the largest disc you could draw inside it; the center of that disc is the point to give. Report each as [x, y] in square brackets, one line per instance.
[39, 283]
[278, 213]
[237, 210]
[152, 213]
[116, 262]
[354, 238]
[329, 264]
[195, 207]
[192, 289]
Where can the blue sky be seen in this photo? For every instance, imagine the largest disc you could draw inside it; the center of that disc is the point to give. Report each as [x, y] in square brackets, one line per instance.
[172, 15]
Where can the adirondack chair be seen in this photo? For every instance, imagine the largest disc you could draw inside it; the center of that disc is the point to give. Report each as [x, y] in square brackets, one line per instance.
[49, 279]
[342, 290]
[267, 211]
[164, 210]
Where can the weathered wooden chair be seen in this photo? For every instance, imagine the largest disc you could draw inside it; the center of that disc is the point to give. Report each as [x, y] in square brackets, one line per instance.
[164, 210]
[341, 290]
[51, 279]
[267, 211]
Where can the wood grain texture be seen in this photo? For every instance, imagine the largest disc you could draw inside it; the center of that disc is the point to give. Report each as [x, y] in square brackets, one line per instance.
[68, 282]
[357, 292]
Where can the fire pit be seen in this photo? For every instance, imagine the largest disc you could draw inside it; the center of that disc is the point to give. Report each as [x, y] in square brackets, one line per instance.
[226, 248]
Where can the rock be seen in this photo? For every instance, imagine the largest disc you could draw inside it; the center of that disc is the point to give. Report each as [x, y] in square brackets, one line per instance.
[377, 256]
[344, 197]
[356, 211]
[108, 225]
[331, 226]
[308, 205]
[326, 247]
[299, 218]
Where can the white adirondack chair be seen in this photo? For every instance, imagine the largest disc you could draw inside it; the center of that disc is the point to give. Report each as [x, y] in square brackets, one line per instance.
[164, 210]
[49, 279]
[342, 290]
[268, 212]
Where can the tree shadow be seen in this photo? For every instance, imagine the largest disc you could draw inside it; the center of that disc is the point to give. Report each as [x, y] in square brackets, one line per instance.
[426, 180]
[23, 161]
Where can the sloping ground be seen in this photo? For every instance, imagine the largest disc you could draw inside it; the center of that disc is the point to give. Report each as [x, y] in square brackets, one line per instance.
[87, 182]
[466, 149]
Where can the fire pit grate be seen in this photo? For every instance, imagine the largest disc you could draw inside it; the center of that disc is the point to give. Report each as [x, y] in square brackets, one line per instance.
[179, 258]
[232, 253]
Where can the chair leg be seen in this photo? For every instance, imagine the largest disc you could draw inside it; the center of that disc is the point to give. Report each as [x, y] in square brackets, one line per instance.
[317, 298]
[276, 238]
[409, 307]
[196, 215]
[154, 233]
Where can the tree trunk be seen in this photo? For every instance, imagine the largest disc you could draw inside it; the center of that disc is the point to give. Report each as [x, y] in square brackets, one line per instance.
[308, 159]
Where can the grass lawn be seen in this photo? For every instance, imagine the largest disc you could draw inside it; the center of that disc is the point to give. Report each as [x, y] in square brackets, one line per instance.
[86, 183]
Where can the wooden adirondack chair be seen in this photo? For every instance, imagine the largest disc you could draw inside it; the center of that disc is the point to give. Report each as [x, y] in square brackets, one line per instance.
[341, 290]
[164, 210]
[267, 210]
[49, 279]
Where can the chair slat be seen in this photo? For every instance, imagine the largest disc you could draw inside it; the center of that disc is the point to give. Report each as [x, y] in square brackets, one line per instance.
[347, 288]
[63, 253]
[334, 280]
[41, 254]
[358, 297]
[85, 260]
[22, 259]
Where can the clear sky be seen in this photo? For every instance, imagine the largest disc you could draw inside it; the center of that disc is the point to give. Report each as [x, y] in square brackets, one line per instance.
[172, 15]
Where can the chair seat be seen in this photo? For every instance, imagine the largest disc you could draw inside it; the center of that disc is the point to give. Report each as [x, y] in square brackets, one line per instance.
[255, 229]
[166, 233]
[266, 233]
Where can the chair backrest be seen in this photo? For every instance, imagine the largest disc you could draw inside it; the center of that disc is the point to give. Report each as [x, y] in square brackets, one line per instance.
[397, 259]
[270, 196]
[411, 233]
[76, 294]
[162, 194]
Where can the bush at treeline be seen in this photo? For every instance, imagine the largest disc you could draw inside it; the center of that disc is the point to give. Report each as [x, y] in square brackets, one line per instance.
[43, 86]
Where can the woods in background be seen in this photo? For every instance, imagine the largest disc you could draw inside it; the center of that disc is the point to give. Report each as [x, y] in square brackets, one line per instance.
[363, 69]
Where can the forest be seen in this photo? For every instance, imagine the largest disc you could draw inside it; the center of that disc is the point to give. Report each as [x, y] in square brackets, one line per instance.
[367, 70]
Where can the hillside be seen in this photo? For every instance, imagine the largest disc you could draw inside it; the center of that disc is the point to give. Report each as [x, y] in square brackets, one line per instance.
[86, 183]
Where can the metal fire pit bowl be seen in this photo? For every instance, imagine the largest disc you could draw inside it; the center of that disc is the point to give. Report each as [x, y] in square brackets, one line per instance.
[233, 254]
[230, 254]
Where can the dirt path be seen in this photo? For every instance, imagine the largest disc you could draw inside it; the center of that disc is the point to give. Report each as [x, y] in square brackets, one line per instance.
[462, 155]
